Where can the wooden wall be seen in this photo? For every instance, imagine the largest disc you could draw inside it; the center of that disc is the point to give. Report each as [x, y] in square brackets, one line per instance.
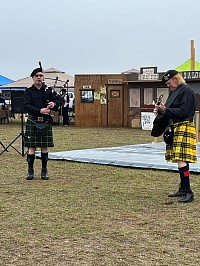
[96, 114]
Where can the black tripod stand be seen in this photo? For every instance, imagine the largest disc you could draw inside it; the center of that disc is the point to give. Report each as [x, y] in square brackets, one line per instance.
[3, 145]
[21, 134]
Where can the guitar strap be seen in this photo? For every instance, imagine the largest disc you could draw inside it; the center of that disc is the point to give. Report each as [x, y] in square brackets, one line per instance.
[172, 96]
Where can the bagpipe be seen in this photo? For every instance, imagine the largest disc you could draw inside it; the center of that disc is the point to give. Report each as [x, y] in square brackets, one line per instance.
[51, 92]
[160, 122]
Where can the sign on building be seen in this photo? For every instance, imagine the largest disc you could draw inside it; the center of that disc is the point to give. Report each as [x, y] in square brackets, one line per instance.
[148, 73]
[191, 75]
[147, 119]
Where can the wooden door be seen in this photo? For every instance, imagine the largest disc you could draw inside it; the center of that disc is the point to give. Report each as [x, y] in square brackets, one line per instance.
[115, 106]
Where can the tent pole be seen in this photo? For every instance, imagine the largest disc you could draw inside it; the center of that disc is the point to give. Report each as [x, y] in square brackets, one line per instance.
[192, 56]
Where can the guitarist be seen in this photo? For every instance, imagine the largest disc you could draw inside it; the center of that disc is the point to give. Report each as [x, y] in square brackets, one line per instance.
[180, 109]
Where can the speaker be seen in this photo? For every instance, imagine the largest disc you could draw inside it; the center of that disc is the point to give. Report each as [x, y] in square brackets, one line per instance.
[17, 101]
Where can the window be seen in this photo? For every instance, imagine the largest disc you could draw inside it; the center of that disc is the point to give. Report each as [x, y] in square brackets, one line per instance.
[148, 96]
[87, 96]
[134, 97]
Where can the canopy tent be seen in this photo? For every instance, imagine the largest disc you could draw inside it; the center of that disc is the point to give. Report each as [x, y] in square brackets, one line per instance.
[4, 80]
[53, 78]
[187, 66]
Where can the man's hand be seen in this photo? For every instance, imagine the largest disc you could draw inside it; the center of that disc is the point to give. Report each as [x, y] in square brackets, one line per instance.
[45, 111]
[160, 107]
[50, 105]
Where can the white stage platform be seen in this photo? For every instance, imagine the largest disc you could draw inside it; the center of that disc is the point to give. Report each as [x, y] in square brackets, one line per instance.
[146, 156]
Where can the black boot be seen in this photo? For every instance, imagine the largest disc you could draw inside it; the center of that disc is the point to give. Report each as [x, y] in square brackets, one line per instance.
[30, 160]
[188, 195]
[44, 157]
[30, 175]
[44, 174]
[179, 193]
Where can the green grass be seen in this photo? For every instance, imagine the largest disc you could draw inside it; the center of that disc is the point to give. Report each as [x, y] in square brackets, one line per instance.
[89, 214]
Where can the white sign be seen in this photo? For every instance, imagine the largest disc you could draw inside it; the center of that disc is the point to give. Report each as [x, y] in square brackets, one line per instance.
[148, 70]
[87, 87]
[148, 77]
[103, 89]
[96, 95]
[147, 119]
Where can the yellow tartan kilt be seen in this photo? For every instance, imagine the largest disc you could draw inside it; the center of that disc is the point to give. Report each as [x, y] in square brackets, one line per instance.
[184, 143]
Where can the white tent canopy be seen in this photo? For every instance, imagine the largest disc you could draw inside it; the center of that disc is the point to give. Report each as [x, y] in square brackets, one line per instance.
[51, 75]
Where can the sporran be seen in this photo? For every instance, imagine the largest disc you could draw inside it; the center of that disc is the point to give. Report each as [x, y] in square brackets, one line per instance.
[41, 129]
[168, 135]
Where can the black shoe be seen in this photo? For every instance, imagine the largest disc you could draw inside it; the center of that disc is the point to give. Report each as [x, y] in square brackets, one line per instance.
[188, 197]
[30, 175]
[179, 193]
[44, 174]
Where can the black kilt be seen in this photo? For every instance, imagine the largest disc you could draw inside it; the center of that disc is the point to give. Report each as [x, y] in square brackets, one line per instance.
[32, 140]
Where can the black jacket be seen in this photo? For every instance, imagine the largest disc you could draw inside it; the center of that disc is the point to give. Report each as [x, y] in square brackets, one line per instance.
[35, 99]
[184, 104]
[180, 106]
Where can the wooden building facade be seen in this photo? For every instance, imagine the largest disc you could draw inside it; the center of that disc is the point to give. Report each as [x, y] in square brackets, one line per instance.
[117, 100]
[99, 100]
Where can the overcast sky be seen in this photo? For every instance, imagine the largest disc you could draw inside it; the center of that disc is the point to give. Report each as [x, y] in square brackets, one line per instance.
[96, 36]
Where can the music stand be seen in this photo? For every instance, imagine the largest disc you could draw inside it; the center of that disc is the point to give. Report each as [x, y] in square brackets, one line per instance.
[21, 134]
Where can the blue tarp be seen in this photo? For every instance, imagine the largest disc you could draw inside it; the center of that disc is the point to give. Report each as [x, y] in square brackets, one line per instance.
[4, 80]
